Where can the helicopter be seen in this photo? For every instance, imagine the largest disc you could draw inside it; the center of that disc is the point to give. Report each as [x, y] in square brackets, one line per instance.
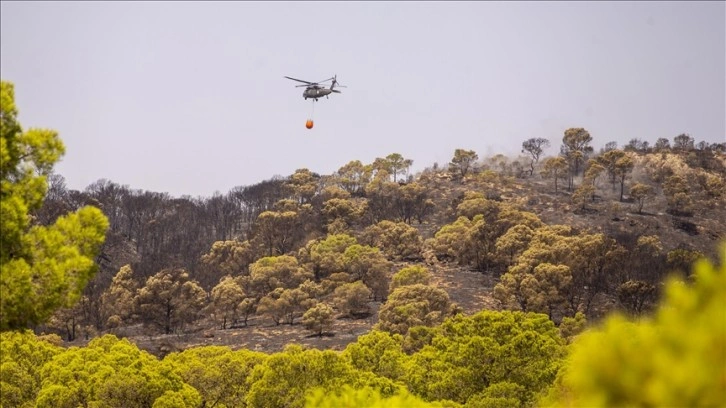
[314, 90]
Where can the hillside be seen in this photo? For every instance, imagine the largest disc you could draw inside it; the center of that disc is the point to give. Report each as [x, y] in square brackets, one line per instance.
[295, 216]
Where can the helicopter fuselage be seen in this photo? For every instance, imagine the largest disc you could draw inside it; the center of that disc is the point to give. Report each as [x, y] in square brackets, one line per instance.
[316, 93]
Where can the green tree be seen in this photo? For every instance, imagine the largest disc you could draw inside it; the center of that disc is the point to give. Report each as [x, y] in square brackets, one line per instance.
[326, 256]
[678, 196]
[684, 365]
[318, 318]
[272, 272]
[352, 299]
[369, 265]
[226, 299]
[216, 372]
[378, 352]
[414, 305]
[109, 372]
[475, 354]
[169, 300]
[349, 397]
[42, 268]
[284, 378]
[227, 258]
[117, 302]
[411, 275]
[397, 240]
[22, 355]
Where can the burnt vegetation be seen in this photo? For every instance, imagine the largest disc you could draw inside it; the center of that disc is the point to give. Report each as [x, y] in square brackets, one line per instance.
[585, 232]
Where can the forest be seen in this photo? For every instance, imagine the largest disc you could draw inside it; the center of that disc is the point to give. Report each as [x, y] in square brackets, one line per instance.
[482, 282]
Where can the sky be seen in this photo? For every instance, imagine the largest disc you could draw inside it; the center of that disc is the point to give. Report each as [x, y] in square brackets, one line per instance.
[189, 98]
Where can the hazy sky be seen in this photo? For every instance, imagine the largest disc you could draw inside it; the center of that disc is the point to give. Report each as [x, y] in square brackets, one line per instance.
[189, 98]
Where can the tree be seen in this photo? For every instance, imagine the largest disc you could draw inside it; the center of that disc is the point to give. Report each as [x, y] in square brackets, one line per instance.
[378, 352]
[583, 194]
[170, 299]
[318, 318]
[463, 162]
[556, 168]
[637, 145]
[326, 256]
[109, 372]
[575, 149]
[272, 272]
[371, 266]
[506, 354]
[414, 305]
[22, 356]
[397, 240]
[411, 275]
[352, 299]
[623, 167]
[686, 334]
[226, 299]
[662, 145]
[398, 164]
[216, 372]
[353, 177]
[277, 230]
[340, 210]
[283, 379]
[117, 302]
[609, 146]
[683, 142]
[593, 172]
[226, 258]
[367, 397]
[677, 194]
[42, 268]
[304, 185]
[534, 147]
[641, 192]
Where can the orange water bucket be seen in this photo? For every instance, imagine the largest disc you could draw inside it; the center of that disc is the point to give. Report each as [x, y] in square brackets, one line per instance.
[309, 124]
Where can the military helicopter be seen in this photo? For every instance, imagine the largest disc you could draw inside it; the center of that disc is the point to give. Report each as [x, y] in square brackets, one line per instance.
[314, 90]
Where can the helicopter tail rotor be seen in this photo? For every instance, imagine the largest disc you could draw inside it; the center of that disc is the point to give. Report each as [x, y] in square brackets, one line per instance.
[336, 83]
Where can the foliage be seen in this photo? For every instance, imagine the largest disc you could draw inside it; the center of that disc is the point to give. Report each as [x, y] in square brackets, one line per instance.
[107, 372]
[414, 305]
[367, 397]
[169, 300]
[463, 162]
[683, 365]
[42, 268]
[217, 373]
[352, 298]
[284, 378]
[22, 355]
[318, 318]
[411, 275]
[397, 240]
[472, 354]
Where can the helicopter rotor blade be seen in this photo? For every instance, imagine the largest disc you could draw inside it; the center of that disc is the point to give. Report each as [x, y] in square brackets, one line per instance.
[300, 80]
